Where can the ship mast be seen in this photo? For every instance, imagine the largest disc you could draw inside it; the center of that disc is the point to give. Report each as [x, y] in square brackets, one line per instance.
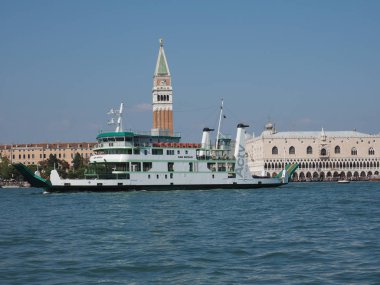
[118, 115]
[220, 120]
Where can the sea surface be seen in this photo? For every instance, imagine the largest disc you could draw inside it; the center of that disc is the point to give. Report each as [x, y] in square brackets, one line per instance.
[302, 233]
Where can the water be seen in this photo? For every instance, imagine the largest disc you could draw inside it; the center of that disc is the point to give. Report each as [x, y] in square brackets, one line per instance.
[303, 233]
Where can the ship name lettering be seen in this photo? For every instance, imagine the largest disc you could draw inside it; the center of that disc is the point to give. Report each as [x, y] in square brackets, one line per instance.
[240, 161]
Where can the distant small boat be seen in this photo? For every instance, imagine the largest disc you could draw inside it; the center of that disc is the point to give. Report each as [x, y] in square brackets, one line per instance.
[10, 186]
[343, 181]
[374, 178]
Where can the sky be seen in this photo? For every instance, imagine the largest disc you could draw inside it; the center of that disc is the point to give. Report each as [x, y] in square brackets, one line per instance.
[304, 65]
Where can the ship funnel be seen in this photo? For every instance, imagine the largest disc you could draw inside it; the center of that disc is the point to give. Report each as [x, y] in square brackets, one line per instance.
[241, 167]
[206, 143]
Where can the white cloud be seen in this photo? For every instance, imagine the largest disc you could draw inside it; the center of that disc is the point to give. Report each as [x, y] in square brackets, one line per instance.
[142, 107]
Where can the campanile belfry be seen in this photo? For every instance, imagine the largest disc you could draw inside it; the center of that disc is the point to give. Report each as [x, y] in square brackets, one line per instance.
[162, 96]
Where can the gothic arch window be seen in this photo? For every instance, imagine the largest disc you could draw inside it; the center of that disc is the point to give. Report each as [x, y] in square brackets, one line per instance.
[354, 151]
[371, 151]
[323, 151]
[292, 150]
[275, 150]
[337, 149]
[309, 150]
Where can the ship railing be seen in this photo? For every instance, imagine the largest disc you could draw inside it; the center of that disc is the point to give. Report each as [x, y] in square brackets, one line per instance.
[160, 133]
[112, 144]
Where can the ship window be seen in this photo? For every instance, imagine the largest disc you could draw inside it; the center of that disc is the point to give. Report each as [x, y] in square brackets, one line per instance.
[230, 167]
[221, 167]
[170, 166]
[211, 166]
[178, 152]
[166, 176]
[136, 151]
[136, 166]
[148, 176]
[213, 176]
[158, 176]
[157, 151]
[171, 175]
[147, 166]
[145, 152]
[186, 151]
[190, 167]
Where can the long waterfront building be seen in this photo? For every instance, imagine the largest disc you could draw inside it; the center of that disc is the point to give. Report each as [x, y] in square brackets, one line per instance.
[321, 155]
[30, 154]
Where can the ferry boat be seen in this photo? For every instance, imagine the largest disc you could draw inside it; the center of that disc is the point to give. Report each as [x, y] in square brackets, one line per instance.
[132, 161]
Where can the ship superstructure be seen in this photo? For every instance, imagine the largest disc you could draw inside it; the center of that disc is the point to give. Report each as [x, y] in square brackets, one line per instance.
[142, 161]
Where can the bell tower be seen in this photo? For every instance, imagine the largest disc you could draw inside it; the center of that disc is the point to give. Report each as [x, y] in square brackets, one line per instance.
[162, 96]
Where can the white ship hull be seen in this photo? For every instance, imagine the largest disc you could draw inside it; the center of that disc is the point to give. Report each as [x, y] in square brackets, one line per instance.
[196, 181]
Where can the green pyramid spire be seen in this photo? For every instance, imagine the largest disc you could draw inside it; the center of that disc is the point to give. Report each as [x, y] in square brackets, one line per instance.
[162, 67]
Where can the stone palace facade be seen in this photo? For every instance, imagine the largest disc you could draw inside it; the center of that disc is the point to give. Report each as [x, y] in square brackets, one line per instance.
[320, 155]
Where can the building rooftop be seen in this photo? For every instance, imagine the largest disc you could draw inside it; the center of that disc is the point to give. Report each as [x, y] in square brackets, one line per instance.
[315, 134]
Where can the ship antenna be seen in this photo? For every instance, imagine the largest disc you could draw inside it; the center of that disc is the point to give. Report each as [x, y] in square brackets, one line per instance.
[220, 121]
